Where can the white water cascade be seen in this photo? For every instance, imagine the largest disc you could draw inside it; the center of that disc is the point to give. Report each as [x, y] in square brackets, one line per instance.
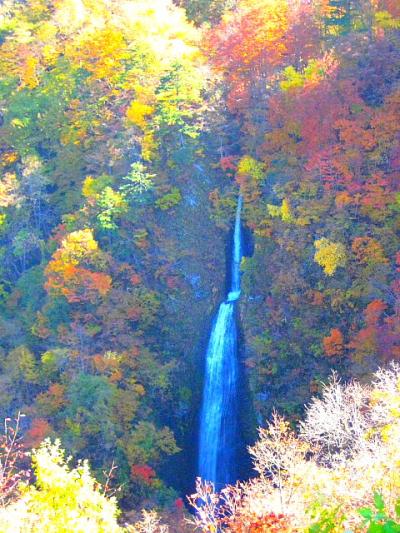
[218, 424]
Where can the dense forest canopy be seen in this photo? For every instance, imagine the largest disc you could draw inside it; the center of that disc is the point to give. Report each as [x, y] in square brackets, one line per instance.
[127, 130]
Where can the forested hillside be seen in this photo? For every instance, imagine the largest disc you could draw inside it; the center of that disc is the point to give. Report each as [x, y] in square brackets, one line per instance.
[127, 130]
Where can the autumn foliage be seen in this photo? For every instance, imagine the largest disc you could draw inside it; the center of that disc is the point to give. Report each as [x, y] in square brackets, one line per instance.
[343, 449]
[127, 130]
[334, 343]
[144, 473]
[66, 275]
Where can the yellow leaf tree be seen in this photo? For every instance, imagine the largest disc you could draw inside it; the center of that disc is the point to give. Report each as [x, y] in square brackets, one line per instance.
[329, 255]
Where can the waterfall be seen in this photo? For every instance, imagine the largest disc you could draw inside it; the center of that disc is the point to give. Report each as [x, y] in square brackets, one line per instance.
[218, 422]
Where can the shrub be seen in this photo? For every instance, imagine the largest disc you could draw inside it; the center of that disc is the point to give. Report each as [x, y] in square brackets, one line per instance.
[62, 499]
[317, 479]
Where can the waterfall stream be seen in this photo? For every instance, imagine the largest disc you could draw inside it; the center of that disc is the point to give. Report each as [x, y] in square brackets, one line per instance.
[218, 422]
